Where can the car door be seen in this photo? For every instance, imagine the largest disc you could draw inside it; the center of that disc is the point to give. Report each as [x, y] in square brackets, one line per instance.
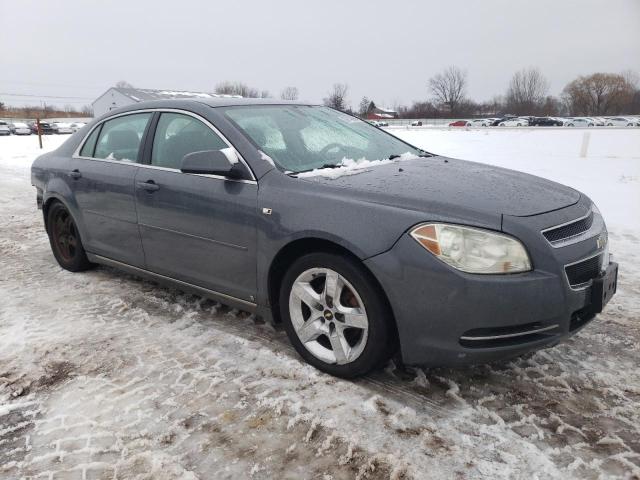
[102, 181]
[199, 229]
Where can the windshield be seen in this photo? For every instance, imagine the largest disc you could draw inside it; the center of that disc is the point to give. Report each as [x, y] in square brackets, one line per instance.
[300, 138]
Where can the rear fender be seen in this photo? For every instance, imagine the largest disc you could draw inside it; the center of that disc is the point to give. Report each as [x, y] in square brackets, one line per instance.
[57, 189]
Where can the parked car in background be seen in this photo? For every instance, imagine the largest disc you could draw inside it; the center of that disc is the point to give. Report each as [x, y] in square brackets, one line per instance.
[497, 121]
[45, 127]
[622, 122]
[578, 122]
[382, 123]
[597, 122]
[444, 261]
[544, 122]
[460, 123]
[77, 126]
[416, 123]
[4, 128]
[61, 127]
[19, 128]
[482, 122]
[514, 122]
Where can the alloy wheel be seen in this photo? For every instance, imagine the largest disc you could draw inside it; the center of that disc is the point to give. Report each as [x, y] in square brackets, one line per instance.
[328, 316]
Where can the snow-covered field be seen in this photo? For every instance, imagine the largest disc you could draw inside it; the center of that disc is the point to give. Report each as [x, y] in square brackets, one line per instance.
[103, 375]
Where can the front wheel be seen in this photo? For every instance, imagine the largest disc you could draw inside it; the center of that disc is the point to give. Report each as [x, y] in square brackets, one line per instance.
[65, 239]
[335, 315]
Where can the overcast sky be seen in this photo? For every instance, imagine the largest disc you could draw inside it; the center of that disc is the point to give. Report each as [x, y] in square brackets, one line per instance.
[386, 50]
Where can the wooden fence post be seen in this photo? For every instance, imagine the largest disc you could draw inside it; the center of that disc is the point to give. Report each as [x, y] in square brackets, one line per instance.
[39, 132]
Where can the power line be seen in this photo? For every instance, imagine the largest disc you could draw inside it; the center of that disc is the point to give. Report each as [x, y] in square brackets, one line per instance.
[41, 84]
[41, 96]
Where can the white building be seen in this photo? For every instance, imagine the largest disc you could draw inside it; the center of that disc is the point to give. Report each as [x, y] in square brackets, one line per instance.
[117, 97]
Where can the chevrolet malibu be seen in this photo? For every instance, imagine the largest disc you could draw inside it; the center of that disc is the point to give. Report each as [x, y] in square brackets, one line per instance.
[361, 245]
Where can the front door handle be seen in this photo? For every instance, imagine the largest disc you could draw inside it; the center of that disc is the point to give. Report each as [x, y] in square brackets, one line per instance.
[149, 186]
[75, 174]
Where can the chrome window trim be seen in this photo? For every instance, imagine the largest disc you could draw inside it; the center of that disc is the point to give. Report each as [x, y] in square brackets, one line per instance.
[174, 170]
[76, 153]
[580, 286]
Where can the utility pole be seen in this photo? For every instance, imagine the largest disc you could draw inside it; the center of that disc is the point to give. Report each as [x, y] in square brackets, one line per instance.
[39, 131]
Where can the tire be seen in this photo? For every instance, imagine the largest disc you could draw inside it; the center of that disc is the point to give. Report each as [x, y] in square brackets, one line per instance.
[359, 349]
[65, 241]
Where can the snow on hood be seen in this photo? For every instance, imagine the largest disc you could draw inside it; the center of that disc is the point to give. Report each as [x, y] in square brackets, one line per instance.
[349, 166]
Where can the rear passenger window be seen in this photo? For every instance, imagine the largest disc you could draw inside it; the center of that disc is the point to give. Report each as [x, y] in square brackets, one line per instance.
[90, 145]
[120, 138]
[177, 135]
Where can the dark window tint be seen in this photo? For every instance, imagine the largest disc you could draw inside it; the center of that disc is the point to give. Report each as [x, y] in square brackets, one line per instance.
[90, 145]
[120, 138]
[177, 135]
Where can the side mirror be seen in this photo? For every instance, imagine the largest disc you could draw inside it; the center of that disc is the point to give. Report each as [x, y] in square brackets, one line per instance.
[213, 162]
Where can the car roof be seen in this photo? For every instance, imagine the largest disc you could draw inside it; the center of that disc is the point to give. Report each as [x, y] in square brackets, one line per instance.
[183, 103]
[220, 102]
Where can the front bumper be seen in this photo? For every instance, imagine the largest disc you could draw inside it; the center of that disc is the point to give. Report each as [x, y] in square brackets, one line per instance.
[449, 318]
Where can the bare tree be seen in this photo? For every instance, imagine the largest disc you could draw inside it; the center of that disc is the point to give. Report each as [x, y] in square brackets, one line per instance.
[123, 84]
[87, 110]
[289, 93]
[449, 88]
[239, 88]
[527, 92]
[337, 97]
[365, 106]
[599, 94]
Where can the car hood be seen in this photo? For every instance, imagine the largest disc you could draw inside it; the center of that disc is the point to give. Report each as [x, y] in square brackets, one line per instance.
[434, 184]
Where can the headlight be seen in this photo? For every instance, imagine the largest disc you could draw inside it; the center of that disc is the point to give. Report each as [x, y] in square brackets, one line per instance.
[473, 250]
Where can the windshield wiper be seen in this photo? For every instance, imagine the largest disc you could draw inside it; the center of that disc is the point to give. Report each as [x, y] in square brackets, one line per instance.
[326, 165]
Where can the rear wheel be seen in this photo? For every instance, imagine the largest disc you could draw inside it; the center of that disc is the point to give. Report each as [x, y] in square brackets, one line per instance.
[65, 239]
[335, 315]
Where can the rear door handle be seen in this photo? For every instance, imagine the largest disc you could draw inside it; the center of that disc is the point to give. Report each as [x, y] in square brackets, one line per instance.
[75, 174]
[149, 185]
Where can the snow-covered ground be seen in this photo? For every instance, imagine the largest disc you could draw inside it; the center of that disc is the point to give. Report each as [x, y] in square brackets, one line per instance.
[103, 375]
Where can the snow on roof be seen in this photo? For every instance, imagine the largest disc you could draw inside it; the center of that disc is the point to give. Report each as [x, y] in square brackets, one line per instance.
[386, 109]
[142, 94]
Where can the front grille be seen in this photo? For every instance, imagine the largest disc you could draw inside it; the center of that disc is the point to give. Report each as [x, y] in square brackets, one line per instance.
[569, 230]
[583, 272]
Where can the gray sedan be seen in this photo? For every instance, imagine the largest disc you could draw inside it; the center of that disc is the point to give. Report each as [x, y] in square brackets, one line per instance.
[362, 245]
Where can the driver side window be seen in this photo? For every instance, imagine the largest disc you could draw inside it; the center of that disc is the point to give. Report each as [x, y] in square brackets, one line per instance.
[177, 135]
